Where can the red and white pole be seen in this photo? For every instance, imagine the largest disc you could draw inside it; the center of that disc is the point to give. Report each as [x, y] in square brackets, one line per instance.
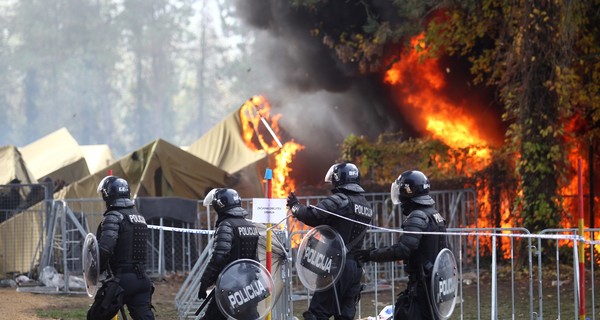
[581, 243]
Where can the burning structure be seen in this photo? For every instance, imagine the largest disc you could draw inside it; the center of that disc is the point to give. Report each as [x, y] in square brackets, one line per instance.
[449, 126]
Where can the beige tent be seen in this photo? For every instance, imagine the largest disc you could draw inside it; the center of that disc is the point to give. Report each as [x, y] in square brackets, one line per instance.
[159, 169]
[57, 156]
[97, 156]
[13, 166]
[224, 148]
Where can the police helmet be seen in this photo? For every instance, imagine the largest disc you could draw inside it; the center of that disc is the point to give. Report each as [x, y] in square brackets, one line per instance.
[115, 191]
[225, 200]
[411, 186]
[344, 176]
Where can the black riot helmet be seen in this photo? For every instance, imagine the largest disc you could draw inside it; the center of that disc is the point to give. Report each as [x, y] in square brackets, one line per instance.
[115, 192]
[344, 176]
[226, 201]
[411, 186]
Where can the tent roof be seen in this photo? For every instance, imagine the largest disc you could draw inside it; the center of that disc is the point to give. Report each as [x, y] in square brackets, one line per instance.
[161, 169]
[223, 146]
[56, 155]
[97, 156]
[13, 166]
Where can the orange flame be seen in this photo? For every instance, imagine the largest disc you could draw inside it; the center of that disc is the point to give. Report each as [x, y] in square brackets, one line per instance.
[423, 96]
[257, 136]
[420, 85]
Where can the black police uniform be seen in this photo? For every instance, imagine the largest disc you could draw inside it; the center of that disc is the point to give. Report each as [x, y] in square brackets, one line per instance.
[347, 201]
[235, 238]
[419, 251]
[122, 237]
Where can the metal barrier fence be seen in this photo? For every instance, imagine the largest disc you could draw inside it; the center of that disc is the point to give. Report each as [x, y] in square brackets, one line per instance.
[504, 273]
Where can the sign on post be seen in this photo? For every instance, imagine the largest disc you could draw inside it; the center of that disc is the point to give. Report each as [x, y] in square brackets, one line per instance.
[268, 210]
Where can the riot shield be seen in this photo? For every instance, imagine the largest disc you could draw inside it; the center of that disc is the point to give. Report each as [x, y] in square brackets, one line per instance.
[244, 289]
[90, 258]
[444, 284]
[321, 258]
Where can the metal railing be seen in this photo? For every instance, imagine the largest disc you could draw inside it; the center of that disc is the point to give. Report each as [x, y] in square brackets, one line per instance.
[498, 273]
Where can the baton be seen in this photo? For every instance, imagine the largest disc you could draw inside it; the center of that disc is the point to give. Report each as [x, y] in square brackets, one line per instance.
[210, 295]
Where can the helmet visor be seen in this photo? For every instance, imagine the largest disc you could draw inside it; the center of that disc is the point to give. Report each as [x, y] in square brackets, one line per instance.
[209, 197]
[101, 184]
[329, 173]
[395, 193]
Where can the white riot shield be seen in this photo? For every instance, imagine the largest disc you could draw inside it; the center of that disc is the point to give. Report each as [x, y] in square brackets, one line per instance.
[444, 284]
[90, 258]
[321, 258]
[244, 290]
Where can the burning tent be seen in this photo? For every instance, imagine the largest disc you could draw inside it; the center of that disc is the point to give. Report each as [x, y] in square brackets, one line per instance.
[245, 143]
[224, 148]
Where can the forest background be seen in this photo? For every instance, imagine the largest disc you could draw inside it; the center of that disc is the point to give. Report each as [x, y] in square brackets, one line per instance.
[125, 72]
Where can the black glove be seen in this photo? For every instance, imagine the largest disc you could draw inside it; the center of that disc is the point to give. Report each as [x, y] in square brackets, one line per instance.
[363, 256]
[202, 292]
[292, 200]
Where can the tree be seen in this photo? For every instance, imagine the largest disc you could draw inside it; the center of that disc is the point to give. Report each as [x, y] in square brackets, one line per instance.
[541, 56]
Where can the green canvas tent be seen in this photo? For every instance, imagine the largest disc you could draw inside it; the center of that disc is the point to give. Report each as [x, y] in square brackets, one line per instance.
[97, 156]
[160, 169]
[56, 155]
[13, 166]
[223, 147]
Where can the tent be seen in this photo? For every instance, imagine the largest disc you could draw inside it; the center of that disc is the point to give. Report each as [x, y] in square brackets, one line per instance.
[159, 169]
[13, 166]
[223, 147]
[56, 155]
[97, 156]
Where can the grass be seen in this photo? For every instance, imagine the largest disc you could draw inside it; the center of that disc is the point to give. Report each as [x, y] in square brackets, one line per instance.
[63, 313]
[473, 305]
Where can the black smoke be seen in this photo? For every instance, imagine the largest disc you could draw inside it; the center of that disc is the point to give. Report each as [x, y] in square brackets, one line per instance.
[322, 100]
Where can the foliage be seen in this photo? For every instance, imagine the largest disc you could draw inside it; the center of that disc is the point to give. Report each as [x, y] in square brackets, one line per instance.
[121, 73]
[381, 162]
[543, 58]
[528, 49]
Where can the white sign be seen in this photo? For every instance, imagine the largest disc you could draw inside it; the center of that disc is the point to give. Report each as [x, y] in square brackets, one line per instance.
[265, 210]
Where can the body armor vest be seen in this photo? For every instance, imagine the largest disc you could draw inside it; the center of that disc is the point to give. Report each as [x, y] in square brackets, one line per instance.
[430, 245]
[358, 209]
[245, 239]
[133, 234]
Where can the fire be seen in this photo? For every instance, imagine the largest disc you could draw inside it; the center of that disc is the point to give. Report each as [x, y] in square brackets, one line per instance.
[420, 85]
[570, 191]
[265, 137]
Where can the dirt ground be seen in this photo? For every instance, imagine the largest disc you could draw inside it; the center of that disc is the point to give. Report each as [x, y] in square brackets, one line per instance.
[17, 305]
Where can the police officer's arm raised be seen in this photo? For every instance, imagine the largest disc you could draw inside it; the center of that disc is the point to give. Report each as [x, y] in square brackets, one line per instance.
[313, 216]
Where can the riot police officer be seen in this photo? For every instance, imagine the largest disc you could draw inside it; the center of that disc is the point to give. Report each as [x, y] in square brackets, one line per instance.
[347, 200]
[122, 237]
[411, 191]
[235, 238]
